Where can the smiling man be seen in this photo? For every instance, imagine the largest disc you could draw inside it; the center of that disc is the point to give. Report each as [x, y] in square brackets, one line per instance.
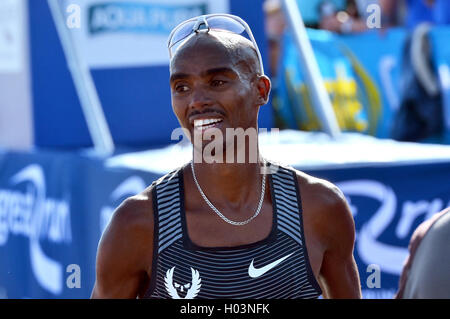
[223, 228]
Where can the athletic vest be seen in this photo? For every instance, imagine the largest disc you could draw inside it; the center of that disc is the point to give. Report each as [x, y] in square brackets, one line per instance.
[275, 267]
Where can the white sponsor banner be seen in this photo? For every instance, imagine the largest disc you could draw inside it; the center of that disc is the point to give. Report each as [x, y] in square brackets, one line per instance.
[12, 22]
[118, 33]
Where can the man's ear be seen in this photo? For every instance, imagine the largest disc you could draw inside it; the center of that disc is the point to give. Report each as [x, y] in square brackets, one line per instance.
[264, 86]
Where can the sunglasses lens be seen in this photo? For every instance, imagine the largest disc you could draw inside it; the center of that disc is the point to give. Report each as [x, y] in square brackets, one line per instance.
[221, 23]
[181, 33]
[226, 24]
[216, 23]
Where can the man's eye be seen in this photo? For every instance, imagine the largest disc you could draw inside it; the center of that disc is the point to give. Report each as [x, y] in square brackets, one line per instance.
[217, 83]
[181, 88]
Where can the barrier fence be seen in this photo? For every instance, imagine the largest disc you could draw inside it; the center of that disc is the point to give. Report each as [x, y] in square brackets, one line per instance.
[54, 206]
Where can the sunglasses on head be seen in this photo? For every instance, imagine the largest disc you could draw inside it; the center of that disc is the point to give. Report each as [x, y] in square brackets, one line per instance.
[205, 23]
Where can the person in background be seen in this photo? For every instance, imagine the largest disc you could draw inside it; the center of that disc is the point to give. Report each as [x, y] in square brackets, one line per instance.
[341, 21]
[274, 27]
[393, 13]
[354, 17]
[426, 272]
[435, 12]
[420, 116]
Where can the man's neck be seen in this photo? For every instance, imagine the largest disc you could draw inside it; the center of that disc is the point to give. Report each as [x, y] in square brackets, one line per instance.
[235, 183]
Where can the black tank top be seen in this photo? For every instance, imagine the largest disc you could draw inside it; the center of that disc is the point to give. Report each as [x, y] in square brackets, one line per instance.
[275, 267]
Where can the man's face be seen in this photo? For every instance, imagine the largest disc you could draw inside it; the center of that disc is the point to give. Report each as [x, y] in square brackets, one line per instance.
[211, 89]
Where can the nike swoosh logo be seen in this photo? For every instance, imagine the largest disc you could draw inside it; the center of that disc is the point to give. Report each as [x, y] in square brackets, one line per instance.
[255, 273]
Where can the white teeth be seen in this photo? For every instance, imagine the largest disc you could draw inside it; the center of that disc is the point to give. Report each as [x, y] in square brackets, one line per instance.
[200, 123]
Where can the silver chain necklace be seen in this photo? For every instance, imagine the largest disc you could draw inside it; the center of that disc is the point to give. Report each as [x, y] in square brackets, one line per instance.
[229, 221]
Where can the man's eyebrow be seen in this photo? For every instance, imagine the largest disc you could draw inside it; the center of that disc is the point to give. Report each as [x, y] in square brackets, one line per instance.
[222, 70]
[178, 76]
[219, 70]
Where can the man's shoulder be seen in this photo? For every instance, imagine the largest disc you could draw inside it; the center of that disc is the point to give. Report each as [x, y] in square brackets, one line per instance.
[313, 189]
[138, 210]
[135, 212]
[324, 193]
[324, 206]
[126, 246]
[429, 225]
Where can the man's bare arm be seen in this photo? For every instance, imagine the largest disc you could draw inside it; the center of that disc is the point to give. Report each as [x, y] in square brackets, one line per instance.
[339, 275]
[125, 251]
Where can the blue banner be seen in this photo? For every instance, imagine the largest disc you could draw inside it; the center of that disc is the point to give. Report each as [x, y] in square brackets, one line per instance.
[51, 220]
[388, 202]
[361, 74]
[54, 207]
[377, 57]
[291, 93]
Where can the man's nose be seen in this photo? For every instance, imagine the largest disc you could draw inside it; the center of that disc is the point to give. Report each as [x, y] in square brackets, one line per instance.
[200, 98]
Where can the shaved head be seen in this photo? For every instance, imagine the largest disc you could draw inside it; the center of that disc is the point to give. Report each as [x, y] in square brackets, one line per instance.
[240, 50]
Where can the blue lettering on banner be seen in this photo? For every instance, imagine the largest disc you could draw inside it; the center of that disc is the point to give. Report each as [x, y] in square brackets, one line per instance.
[139, 17]
[34, 215]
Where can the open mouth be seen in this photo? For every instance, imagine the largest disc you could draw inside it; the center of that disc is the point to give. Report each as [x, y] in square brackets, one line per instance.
[204, 124]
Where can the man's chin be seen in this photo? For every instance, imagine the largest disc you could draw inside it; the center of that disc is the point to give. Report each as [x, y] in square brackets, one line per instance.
[210, 151]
